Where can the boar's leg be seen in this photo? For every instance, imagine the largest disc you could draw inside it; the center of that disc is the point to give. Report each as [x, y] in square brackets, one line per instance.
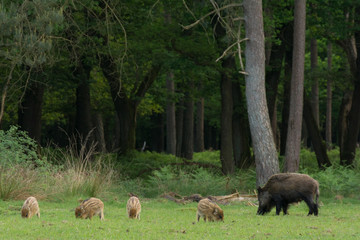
[278, 207]
[312, 206]
[285, 208]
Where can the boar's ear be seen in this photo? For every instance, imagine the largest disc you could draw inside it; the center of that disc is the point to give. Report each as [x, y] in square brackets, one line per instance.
[259, 189]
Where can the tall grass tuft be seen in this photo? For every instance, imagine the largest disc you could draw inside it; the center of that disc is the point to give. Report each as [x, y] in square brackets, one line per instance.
[17, 182]
[84, 171]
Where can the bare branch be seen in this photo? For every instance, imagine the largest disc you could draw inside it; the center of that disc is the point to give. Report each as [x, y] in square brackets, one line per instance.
[227, 49]
[210, 13]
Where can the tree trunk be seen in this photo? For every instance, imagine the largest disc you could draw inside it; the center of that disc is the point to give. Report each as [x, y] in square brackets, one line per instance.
[241, 132]
[179, 127]
[263, 142]
[83, 121]
[347, 153]
[188, 129]
[315, 81]
[30, 111]
[170, 116]
[293, 143]
[199, 129]
[351, 133]
[315, 136]
[342, 121]
[226, 147]
[329, 99]
[99, 133]
[126, 106]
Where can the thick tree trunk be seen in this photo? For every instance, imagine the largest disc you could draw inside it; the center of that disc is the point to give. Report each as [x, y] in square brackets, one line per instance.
[241, 131]
[188, 129]
[315, 81]
[226, 146]
[328, 135]
[315, 136]
[199, 129]
[170, 116]
[293, 143]
[263, 142]
[179, 127]
[30, 111]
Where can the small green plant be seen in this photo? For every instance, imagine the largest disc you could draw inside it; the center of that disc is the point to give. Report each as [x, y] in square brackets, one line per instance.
[16, 147]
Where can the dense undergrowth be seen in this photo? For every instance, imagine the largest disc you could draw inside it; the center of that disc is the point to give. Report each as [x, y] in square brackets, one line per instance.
[78, 171]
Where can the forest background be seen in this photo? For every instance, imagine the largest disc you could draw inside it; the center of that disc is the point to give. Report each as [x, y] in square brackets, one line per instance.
[155, 92]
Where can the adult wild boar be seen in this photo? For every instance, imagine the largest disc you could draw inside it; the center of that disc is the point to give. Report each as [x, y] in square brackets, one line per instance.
[285, 188]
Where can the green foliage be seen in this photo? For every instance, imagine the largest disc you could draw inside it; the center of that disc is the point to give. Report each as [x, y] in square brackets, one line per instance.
[16, 147]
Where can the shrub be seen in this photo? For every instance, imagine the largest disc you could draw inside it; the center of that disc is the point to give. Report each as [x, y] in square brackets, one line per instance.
[16, 147]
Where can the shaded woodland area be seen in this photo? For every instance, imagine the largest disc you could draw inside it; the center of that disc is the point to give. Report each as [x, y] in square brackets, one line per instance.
[253, 79]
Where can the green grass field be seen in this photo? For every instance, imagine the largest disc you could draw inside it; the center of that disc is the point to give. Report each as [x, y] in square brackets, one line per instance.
[162, 219]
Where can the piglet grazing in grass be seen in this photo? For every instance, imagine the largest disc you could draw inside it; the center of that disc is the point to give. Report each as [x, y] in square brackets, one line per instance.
[133, 207]
[90, 207]
[30, 208]
[209, 211]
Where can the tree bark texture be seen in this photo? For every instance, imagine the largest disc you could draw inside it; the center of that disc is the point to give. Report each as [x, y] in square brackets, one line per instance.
[293, 142]
[315, 80]
[170, 116]
[315, 136]
[328, 135]
[30, 110]
[266, 159]
[199, 129]
[226, 146]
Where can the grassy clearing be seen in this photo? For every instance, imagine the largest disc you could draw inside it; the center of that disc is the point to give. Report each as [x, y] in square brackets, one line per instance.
[161, 219]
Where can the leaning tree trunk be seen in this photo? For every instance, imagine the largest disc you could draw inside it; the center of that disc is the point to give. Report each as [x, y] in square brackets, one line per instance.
[315, 136]
[30, 111]
[293, 143]
[263, 142]
[226, 147]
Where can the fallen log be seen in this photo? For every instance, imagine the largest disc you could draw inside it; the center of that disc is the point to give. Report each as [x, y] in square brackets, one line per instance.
[227, 199]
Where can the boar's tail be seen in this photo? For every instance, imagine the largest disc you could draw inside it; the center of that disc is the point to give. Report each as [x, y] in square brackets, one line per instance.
[317, 194]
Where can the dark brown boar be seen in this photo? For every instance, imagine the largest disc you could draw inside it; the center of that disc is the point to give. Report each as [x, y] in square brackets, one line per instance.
[285, 188]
